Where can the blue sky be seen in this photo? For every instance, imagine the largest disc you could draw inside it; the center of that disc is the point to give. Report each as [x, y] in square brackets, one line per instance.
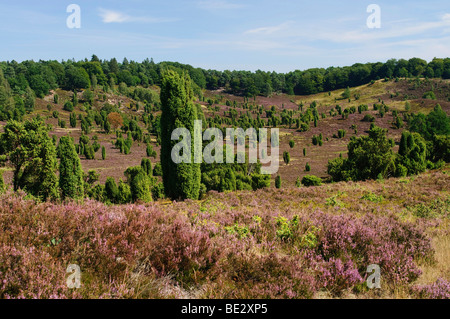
[277, 36]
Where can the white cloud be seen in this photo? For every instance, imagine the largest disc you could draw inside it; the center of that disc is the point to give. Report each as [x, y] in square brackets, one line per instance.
[111, 16]
[214, 5]
[269, 30]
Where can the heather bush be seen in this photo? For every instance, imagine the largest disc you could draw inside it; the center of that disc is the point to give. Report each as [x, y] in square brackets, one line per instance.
[287, 243]
[437, 290]
[249, 276]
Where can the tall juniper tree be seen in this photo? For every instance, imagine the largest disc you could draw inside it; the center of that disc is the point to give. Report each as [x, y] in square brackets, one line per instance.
[70, 172]
[181, 180]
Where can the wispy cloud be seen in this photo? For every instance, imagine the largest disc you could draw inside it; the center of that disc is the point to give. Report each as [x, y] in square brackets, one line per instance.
[270, 29]
[111, 16]
[392, 31]
[214, 5]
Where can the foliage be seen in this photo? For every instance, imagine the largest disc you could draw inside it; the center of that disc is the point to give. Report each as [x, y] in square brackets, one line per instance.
[70, 172]
[32, 154]
[181, 180]
[278, 181]
[311, 180]
[412, 153]
[435, 123]
[368, 158]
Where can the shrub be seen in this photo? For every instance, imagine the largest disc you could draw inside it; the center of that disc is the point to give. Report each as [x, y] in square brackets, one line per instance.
[307, 167]
[278, 181]
[260, 181]
[291, 143]
[139, 183]
[440, 289]
[341, 133]
[368, 118]
[412, 153]
[311, 180]
[158, 191]
[157, 170]
[407, 106]
[373, 197]
[124, 195]
[368, 157]
[68, 106]
[429, 95]
[111, 190]
[286, 157]
[150, 151]
[146, 165]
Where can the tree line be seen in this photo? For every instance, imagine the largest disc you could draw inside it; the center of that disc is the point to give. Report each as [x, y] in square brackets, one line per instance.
[21, 82]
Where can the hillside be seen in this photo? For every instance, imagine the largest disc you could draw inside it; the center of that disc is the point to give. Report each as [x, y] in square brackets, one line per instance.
[243, 234]
[394, 94]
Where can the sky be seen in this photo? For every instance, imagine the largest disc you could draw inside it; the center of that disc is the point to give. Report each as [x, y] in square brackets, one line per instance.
[279, 36]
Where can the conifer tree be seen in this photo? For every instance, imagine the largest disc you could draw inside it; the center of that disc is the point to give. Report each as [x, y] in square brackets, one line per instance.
[181, 180]
[70, 172]
[32, 155]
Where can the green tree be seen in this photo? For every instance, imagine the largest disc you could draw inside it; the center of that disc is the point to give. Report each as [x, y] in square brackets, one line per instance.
[369, 157]
[88, 96]
[70, 172]
[286, 157]
[146, 165]
[441, 148]
[75, 98]
[436, 122]
[32, 154]
[412, 153]
[307, 167]
[111, 190]
[140, 184]
[30, 99]
[124, 193]
[260, 181]
[182, 180]
[103, 153]
[73, 119]
[278, 181]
